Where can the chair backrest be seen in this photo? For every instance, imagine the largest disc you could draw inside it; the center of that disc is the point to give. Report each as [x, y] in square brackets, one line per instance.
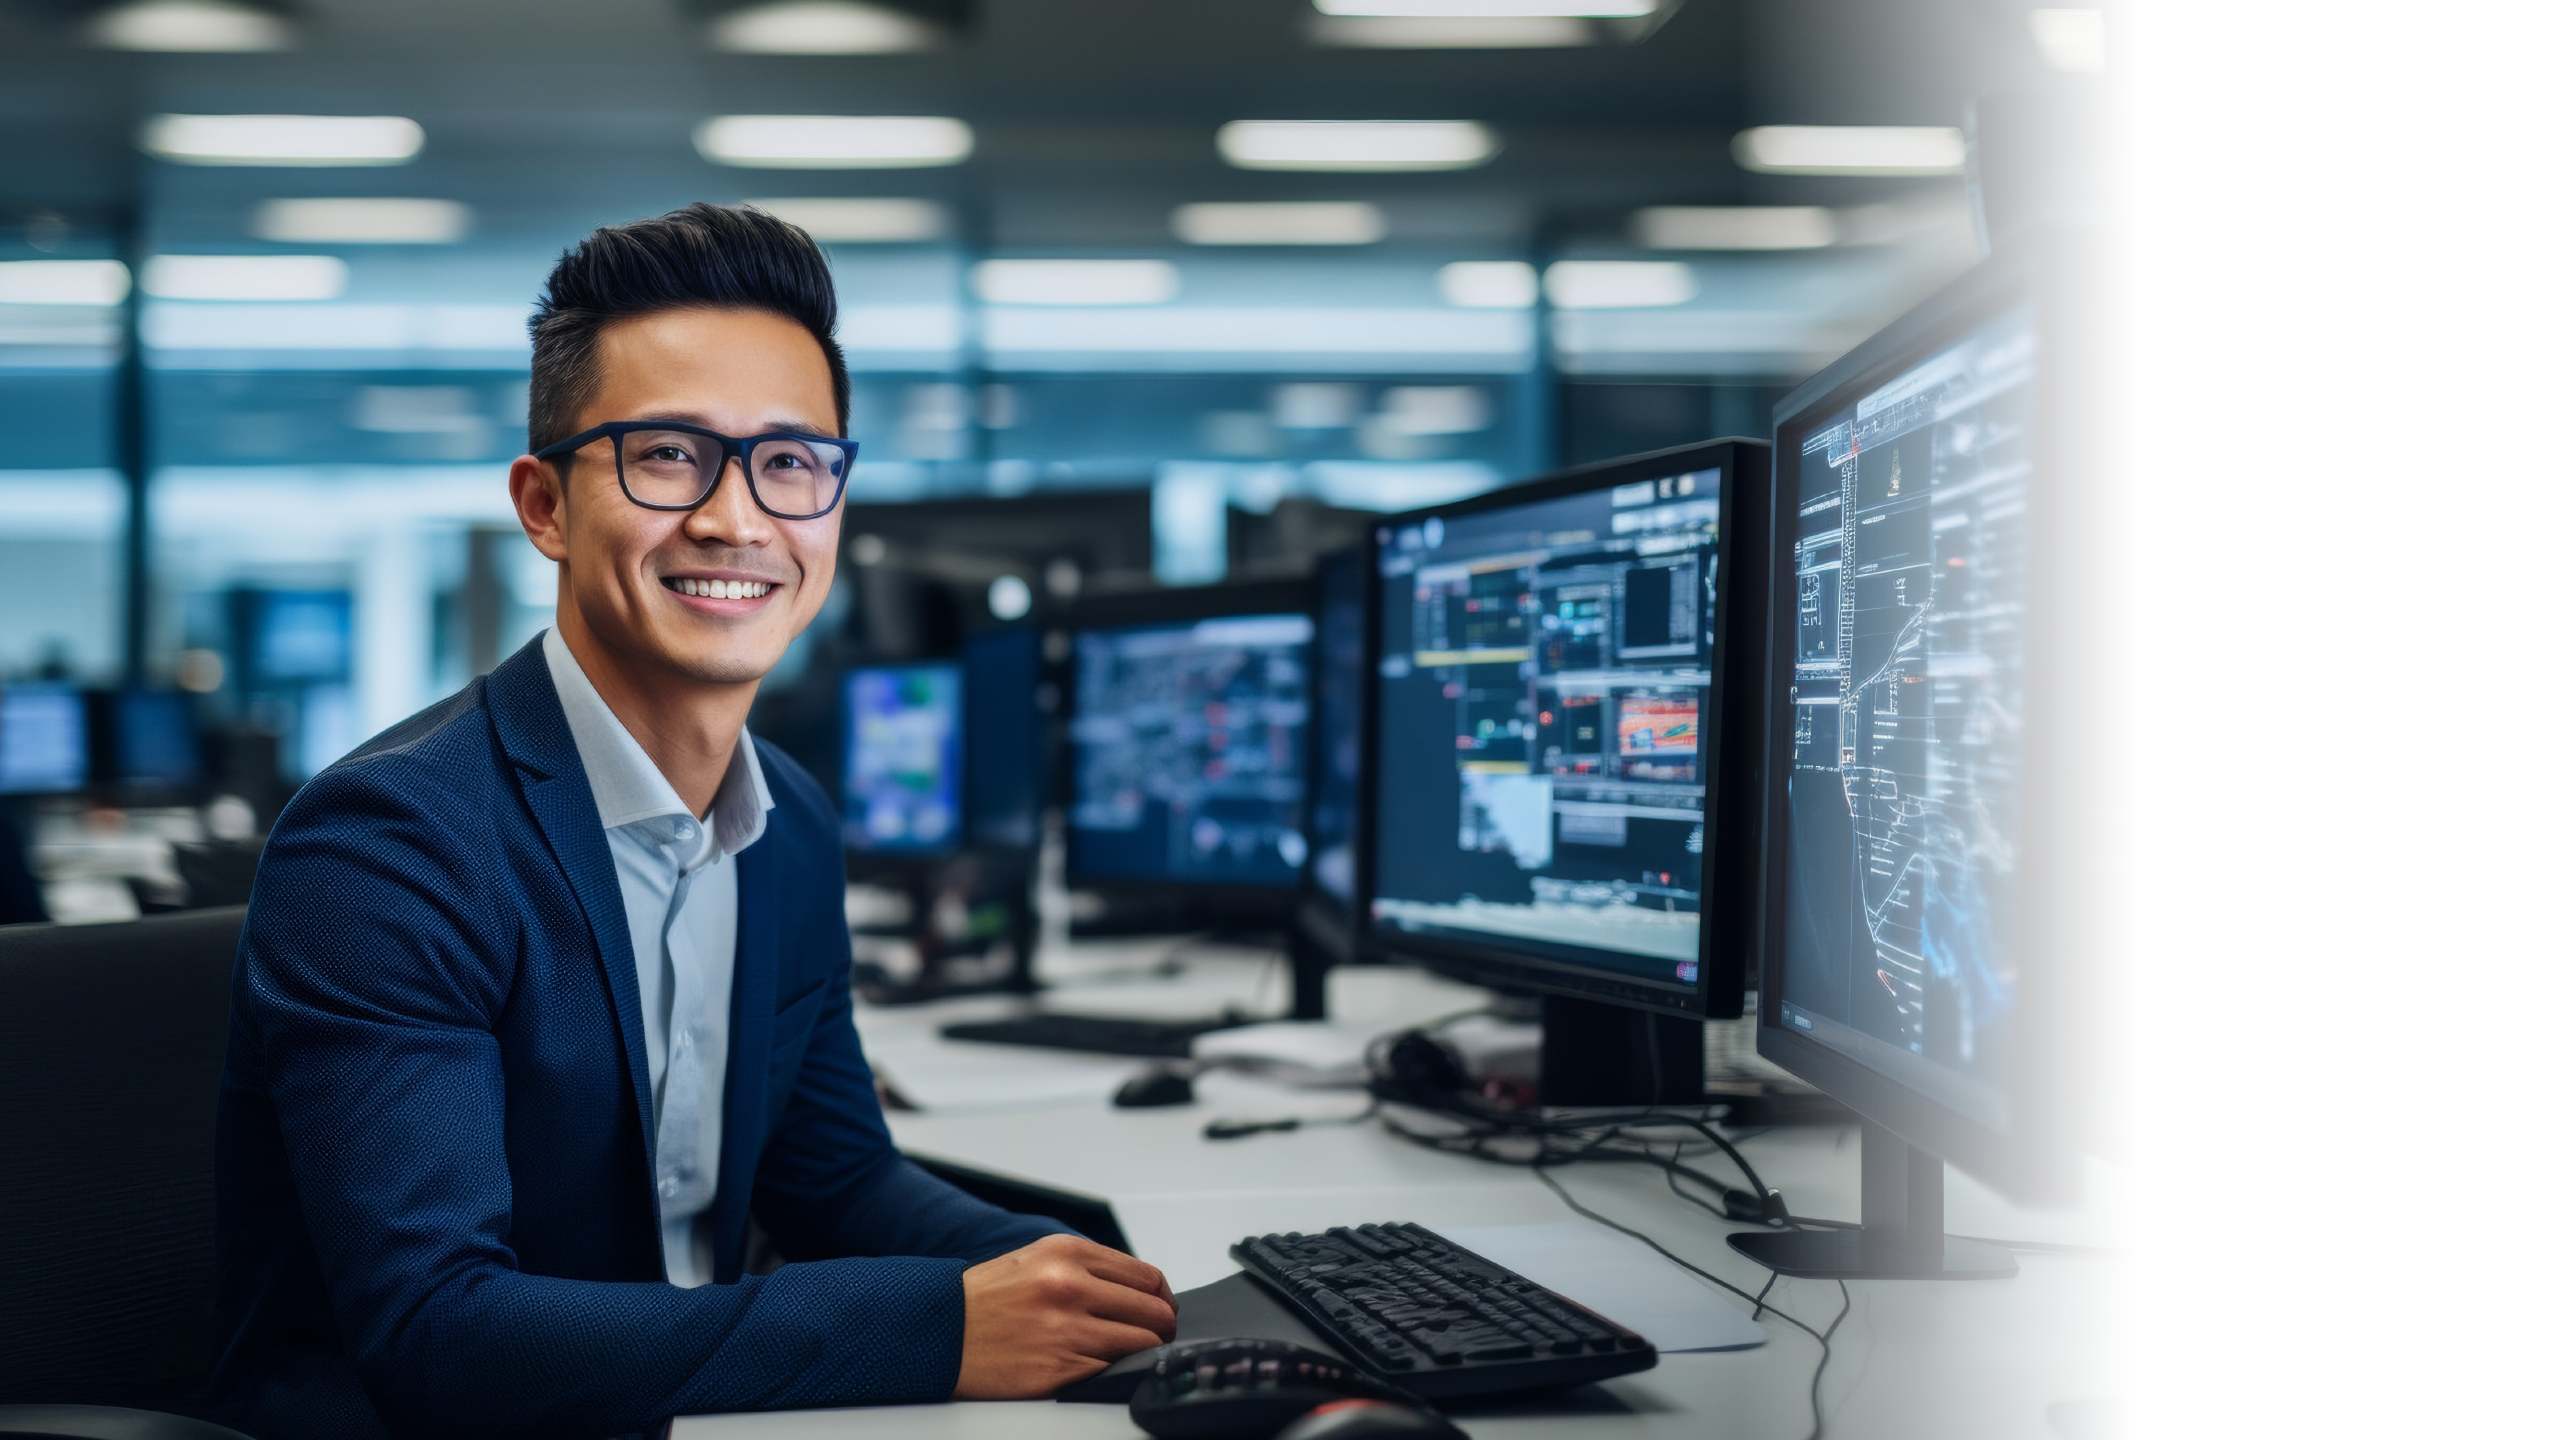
[111, 1045]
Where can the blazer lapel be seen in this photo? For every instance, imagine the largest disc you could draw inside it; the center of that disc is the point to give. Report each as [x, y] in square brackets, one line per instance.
[534, 731]
[742, 1103]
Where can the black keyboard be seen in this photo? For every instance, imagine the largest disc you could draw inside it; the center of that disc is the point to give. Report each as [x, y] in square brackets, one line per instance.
[1098, 1034]
[1435, 1318]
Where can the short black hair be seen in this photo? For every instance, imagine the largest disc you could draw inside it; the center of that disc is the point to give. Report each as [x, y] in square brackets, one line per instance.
[704, 256]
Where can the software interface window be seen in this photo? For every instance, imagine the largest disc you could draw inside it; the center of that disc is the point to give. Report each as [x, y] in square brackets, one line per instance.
[902, 758]
[1189, 751]
[1542, 674]
[1910, 553]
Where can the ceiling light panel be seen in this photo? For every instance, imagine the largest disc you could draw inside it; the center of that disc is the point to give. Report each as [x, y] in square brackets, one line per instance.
[1076, 282]
[244, 277]
[1735, 227]
[2073, 41]
[63, 282]
[819, 27]
[834, 142]
[283, 140]
[1355, 144]
[1851, 150]
[1489, 284]
[190, 26]
[1399, 32]
[1288, 222]
[361, 221]
[1620, 284]
[870, 221]
[1475, 9]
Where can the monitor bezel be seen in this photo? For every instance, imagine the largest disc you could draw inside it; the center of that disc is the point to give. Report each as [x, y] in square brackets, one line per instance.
[2033, 1159]
[1132, 609]
[892, 857]
[1717, 992]
[1336, 925]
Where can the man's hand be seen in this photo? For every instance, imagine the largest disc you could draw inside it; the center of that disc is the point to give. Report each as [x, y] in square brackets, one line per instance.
[1055, 1311]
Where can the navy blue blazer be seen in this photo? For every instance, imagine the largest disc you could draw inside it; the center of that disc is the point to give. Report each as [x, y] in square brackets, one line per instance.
[435, 1209]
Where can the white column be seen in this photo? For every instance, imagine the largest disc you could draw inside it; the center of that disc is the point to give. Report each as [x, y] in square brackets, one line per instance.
[395, 627]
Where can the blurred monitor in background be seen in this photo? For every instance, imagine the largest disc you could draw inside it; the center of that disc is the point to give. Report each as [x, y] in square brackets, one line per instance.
[1188, 743]
[44, 740]
[902, 763]
[155, 742]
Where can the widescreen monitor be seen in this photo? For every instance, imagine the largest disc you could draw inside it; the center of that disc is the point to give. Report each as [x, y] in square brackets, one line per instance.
[1549, 724]
[902, 763]
[1933, 743]
[1188, 740]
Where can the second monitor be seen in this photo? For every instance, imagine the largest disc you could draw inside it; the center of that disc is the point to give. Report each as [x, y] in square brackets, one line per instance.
[1558, 804]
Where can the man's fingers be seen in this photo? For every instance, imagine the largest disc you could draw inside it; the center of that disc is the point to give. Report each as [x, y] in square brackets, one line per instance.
[1132, 1307]
[1125, 1269]
[1109, 1340]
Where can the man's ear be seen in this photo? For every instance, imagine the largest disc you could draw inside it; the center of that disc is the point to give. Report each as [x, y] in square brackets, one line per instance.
[541, 508]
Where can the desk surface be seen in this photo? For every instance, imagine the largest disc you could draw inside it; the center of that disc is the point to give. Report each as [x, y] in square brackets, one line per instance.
[1977, 1360]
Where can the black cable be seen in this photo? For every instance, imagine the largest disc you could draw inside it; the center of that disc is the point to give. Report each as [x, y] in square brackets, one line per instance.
[1759, 1302]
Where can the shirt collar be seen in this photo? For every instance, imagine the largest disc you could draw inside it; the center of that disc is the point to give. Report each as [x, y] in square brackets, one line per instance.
[628, 787]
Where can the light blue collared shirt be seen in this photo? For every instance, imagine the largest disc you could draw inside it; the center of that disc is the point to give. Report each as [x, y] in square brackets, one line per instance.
[680, 897]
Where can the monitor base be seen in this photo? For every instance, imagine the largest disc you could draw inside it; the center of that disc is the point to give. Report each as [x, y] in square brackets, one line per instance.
[1855, 1255]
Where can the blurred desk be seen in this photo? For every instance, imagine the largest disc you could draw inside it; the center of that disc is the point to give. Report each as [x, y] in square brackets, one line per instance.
[1975, 1360]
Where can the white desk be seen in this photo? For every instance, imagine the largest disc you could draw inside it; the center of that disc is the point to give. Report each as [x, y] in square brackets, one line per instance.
[1978, 1360]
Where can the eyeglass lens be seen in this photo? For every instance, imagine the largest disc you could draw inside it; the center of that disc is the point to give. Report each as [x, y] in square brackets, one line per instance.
[792, 476]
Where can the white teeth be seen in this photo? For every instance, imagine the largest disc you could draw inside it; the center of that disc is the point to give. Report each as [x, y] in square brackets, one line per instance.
[725, 589]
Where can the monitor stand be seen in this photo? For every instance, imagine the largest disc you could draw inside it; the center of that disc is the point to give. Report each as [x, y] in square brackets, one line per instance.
[1592, 1053]
[1903, 1204]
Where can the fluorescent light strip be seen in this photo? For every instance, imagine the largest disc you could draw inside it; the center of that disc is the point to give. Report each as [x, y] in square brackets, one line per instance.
[1851, 150]
[1355, 144]
[1288, 222]
[1491, 9]
[834, 221]
[1075, 282]
[819, 27]
[1489, 284]
[834, 142]
[63, 282]
[365, 221]
[1403, 32]
[283, 140]
[209, 27]
[244, 277]
[1735, 227]
[1619, 284]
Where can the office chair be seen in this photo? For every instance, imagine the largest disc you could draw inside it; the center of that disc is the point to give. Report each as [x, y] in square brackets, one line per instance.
[111, 1045]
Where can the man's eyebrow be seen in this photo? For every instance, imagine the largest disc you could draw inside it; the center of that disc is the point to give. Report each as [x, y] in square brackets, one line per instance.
[771, 427]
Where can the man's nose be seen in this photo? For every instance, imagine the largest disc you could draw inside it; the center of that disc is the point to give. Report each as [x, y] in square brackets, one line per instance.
[731, 514]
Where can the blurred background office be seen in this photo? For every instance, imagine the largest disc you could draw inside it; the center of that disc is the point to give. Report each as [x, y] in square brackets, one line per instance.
[1134, 292]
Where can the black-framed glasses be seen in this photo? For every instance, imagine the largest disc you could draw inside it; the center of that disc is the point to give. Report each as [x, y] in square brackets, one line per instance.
[669, 465]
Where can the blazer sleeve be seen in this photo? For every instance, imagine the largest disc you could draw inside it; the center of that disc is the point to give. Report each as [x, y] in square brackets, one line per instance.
[831, 1182]
[377, 958]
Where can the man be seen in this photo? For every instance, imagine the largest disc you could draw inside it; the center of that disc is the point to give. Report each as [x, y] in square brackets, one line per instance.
[546, 991]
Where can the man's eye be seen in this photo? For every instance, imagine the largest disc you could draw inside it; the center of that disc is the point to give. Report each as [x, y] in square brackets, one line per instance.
[781, 462]
[667, 455]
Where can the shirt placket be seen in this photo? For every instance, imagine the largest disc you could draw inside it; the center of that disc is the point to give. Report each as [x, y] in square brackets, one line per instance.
[684, 1176]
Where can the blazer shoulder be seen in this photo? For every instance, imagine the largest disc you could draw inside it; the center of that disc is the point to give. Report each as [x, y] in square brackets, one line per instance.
[444, 760]
[797, 795]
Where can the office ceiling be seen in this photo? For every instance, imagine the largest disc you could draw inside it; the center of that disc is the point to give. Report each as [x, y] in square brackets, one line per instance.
[1093, 117]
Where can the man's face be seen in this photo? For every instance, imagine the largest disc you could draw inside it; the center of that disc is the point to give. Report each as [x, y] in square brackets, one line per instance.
[625, 568]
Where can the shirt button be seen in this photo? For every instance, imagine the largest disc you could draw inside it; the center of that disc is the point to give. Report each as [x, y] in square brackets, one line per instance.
[667, 1188]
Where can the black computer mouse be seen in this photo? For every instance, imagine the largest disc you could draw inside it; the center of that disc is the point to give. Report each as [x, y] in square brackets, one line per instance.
[1370, 1420]
[1159, 1086]
[1252, 1389]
